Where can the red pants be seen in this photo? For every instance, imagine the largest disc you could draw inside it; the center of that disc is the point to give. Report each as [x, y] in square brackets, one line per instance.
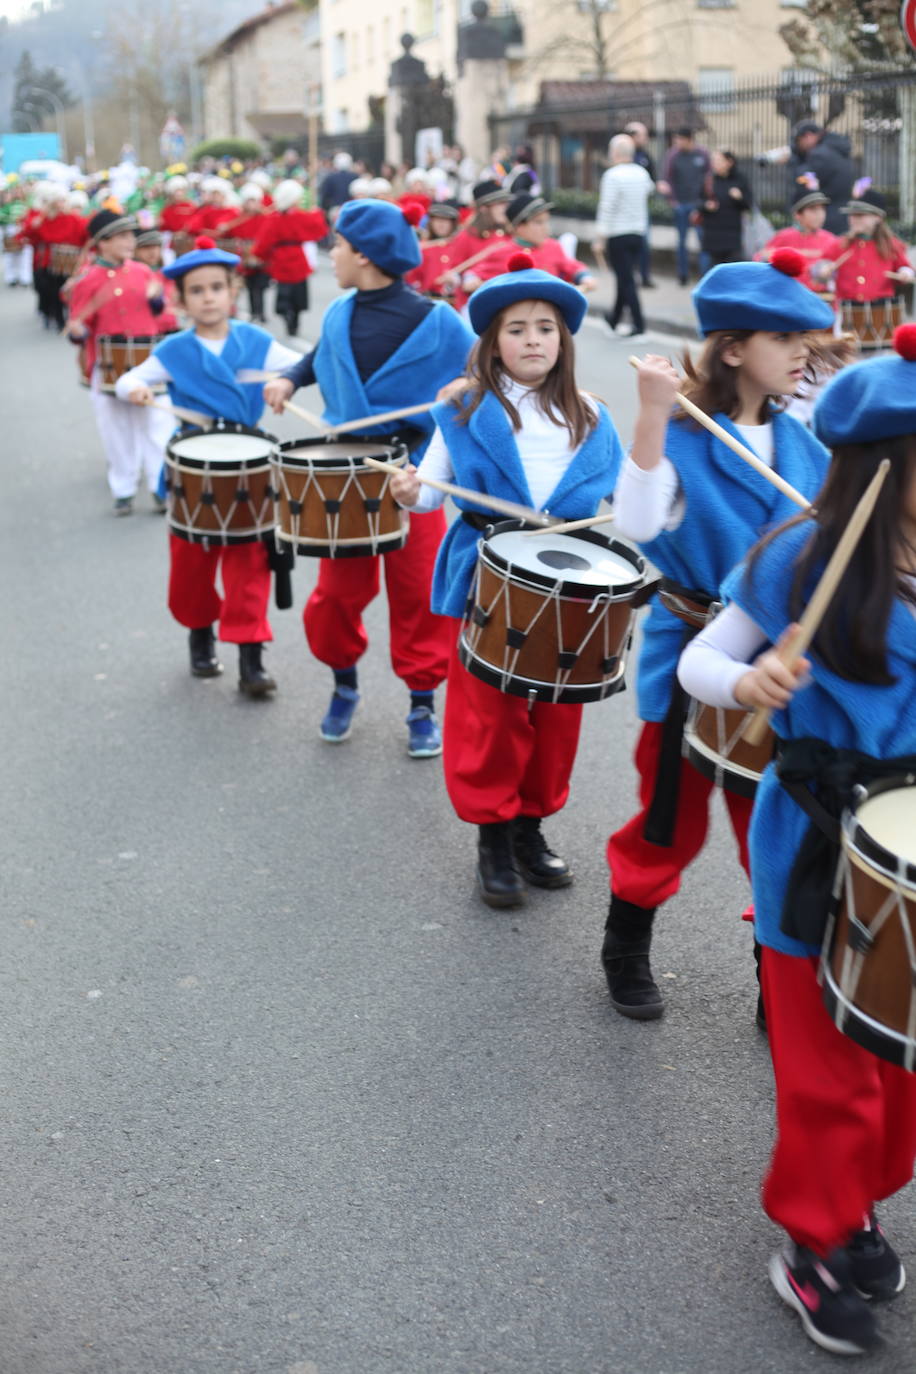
[333, 615]
[845, 1119]
[195, 602]
[501, 759]
[648, 874]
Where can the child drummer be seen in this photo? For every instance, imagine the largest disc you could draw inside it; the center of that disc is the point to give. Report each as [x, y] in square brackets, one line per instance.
[117, 295]
[521, 430]
[382, 347]
[199, 366]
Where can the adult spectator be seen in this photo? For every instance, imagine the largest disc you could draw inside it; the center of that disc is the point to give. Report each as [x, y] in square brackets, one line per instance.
[335, 189]
[827, 155]
[683, 175]
[522, 178]
[726, 200]
[643, 158]
[623, 220]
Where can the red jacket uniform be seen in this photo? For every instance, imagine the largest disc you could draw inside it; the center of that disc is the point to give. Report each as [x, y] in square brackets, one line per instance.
[45, 230]
[279, 241]
[436, 260]
[117, 302]
[464, 245]
[549, 257]
[175, 215]
[207, 218]
[247, 230]
[813, 248]
[863, 276]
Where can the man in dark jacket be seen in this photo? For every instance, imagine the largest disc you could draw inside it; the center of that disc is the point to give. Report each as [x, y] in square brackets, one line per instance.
[827, 155]
[335, 188]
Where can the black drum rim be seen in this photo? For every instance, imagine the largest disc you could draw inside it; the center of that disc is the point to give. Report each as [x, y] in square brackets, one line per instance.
[862, 845]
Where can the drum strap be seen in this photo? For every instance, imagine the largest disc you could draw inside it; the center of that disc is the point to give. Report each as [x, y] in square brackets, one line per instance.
[822, 781]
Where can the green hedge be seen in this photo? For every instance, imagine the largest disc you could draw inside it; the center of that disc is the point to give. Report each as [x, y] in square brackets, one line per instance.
[245, 149]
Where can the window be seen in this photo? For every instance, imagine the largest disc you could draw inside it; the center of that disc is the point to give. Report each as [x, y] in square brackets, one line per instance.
[354, 51]
[339, 55]
[716, 88]
[370, 44]
[426, 17]
[715, 4]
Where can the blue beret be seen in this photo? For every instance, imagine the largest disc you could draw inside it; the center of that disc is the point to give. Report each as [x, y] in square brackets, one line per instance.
[209, 256]
[868, 401]
[759, 295]
[526, 284]
[382, 233]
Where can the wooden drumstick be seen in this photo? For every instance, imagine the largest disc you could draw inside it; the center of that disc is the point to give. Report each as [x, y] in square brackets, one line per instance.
[477, 498]
[191, 417]
[307, 416]
[736, 446]
[814, 612]
[380, 419]
[499, 242]
[569, 525]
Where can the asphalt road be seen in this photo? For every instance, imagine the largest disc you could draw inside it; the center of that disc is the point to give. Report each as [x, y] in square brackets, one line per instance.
[279, 1094]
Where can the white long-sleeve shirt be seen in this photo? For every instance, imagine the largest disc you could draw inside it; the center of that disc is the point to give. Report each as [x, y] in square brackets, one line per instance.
[152, 373]
[647, 501]
[543, 447]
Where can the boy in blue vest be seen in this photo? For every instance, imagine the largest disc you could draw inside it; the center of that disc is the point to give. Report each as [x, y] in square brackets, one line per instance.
[199, 367]
[382, 346]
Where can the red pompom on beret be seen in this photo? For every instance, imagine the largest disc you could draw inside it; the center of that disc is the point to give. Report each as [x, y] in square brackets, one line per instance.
[413, 212]
[204, 242]
[519, 262]
[905, 341]
[788, 261]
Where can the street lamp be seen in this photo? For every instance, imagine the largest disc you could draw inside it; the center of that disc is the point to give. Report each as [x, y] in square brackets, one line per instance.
[59, 108]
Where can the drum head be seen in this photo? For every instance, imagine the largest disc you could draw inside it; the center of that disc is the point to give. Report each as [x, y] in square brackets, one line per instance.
[217, 448]
[593, 562]
[336, 453]
[885, 827]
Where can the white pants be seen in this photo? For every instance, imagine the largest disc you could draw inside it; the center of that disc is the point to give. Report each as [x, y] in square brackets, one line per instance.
[134, 440]
[17, 267]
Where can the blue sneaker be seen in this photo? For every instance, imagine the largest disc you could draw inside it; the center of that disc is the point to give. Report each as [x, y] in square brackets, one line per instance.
[338, 722]
[424, 736]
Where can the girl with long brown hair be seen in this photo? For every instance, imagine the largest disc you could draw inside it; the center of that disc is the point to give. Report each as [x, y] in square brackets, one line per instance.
[844, 718]
[695, 509]
[870, 260]
[521, 430]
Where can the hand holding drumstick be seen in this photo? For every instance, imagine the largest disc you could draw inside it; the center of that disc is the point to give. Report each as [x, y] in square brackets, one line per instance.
[770, 683]
[405, 486]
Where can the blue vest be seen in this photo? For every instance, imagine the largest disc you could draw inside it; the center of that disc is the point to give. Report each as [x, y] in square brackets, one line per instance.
[206, 382]
[728, 507]
[485, 457]
[880, 721]
[435, 353]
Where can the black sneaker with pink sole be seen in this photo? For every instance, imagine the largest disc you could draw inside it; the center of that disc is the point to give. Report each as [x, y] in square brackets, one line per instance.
[876, 1269]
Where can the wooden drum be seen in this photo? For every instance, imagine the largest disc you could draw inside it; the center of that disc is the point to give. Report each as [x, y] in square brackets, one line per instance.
[330, 505]
[118, 353]
[219, 484]
[550, 615]
[63, 259]
[714, 743]
[868, 964]
[872, 322]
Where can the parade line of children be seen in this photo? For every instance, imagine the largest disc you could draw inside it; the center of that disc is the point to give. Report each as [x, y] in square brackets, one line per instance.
[511, 422]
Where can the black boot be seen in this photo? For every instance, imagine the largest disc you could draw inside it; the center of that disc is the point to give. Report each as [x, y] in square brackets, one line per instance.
[625, 956]
[253, 680]
[500, 881]
[538, 864]
[202, 645]
[761, 1017]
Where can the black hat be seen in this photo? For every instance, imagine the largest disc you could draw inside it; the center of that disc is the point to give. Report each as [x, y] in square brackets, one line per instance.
[443, 209]
[866, 202]
[806, 196]
[149, 238]
[106, 223]
[525, 207]
[490, 193]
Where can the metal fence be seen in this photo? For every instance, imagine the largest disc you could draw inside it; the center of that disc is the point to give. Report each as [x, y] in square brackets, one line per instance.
[876, 111]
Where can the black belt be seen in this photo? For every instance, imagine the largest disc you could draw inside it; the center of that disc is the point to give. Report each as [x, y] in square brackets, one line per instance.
[822, 781]
[477, 521]
[661, 816]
